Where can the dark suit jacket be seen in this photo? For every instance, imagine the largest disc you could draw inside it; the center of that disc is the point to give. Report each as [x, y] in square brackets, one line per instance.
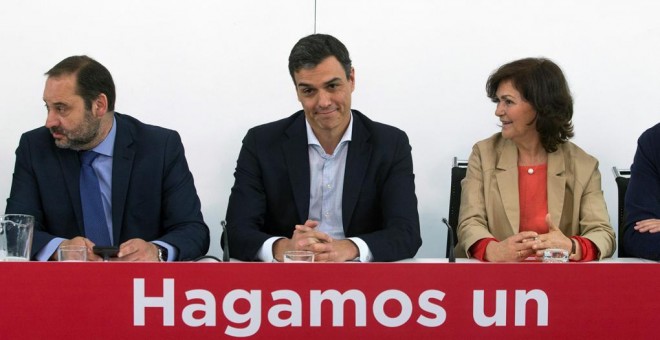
[271, 192]
[153, 193]
[643, 196]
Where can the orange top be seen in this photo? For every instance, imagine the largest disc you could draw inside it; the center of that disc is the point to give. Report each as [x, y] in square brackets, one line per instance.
[533, 197]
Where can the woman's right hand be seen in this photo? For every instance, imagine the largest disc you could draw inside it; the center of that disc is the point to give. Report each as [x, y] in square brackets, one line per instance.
[515, 248]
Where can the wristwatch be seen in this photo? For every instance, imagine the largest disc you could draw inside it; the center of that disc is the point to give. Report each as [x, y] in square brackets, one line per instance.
[572, 246]
[162, 253]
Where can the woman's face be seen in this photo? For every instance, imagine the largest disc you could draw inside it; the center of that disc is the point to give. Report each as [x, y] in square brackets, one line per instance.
[516, 115]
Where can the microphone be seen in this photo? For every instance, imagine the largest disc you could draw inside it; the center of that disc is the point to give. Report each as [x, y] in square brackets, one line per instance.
[224, 241]
[450, 237]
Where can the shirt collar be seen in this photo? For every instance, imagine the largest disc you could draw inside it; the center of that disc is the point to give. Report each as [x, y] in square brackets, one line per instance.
[107, 146]
[312, 140]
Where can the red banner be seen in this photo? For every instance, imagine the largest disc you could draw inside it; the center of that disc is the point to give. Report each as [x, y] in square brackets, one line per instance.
[328, 301]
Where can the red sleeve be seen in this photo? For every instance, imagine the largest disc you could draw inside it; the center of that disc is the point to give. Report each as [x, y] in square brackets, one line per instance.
[478, 249]
[589, 250]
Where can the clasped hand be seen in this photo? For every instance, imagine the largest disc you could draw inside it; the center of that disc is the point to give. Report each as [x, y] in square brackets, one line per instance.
[524, 244]
[326, 249]
[553, 239]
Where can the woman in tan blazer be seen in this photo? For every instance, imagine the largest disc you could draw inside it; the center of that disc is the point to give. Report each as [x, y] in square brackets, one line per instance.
[527, 187]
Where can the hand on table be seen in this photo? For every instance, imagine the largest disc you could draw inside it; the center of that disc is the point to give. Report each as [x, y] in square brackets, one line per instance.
[79, 241]
[514, 248]
[137, 250]
[326, 249]
[553, 239]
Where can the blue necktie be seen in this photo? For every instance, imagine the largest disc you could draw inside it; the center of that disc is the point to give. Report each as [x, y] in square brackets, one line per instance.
[96, 228]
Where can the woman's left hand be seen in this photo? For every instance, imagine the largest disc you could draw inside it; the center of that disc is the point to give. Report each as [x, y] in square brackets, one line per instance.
[553, 239]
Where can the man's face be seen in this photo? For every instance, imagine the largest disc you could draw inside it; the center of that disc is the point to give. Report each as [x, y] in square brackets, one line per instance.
[72, 126]
[325, 94]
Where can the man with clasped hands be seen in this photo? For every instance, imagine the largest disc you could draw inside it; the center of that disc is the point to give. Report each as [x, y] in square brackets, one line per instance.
[148, 207]
[326, 179]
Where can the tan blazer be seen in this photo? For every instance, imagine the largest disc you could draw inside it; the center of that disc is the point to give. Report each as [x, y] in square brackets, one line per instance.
[490, 201]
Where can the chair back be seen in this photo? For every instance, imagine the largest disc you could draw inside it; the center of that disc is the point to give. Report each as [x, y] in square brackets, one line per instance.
[458, 171]
[621, 176]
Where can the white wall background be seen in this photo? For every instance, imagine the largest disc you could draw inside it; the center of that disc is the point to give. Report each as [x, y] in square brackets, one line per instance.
[212, 69]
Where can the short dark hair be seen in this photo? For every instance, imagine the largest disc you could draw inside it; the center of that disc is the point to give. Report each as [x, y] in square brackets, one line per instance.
[92, 79]
[542, 84]
[313, 49]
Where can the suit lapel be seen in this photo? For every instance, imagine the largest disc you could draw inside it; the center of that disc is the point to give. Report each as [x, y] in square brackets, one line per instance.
[556, 184]
[357, 160]
[297, 163]
[507, 183]
[122, 165]
[70, 164]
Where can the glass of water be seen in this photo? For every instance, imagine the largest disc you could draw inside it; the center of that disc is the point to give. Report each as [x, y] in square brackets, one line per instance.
[298, 256]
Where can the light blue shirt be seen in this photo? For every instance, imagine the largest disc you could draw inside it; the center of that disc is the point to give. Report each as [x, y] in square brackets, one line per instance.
[325, 192]
[327, 183]
[103, 168]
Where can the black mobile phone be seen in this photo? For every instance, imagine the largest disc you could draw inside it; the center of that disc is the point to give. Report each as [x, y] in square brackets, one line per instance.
[106, 252]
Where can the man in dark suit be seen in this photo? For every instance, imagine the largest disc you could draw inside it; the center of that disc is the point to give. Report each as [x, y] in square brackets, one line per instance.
[143, 194]
[326, 179]
[641, 237]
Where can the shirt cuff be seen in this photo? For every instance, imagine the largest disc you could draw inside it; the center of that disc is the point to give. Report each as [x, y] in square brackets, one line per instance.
[589, 249]
[265, 253]
[363, 249]
[171, 251]
[478, 249]
[47, 251]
